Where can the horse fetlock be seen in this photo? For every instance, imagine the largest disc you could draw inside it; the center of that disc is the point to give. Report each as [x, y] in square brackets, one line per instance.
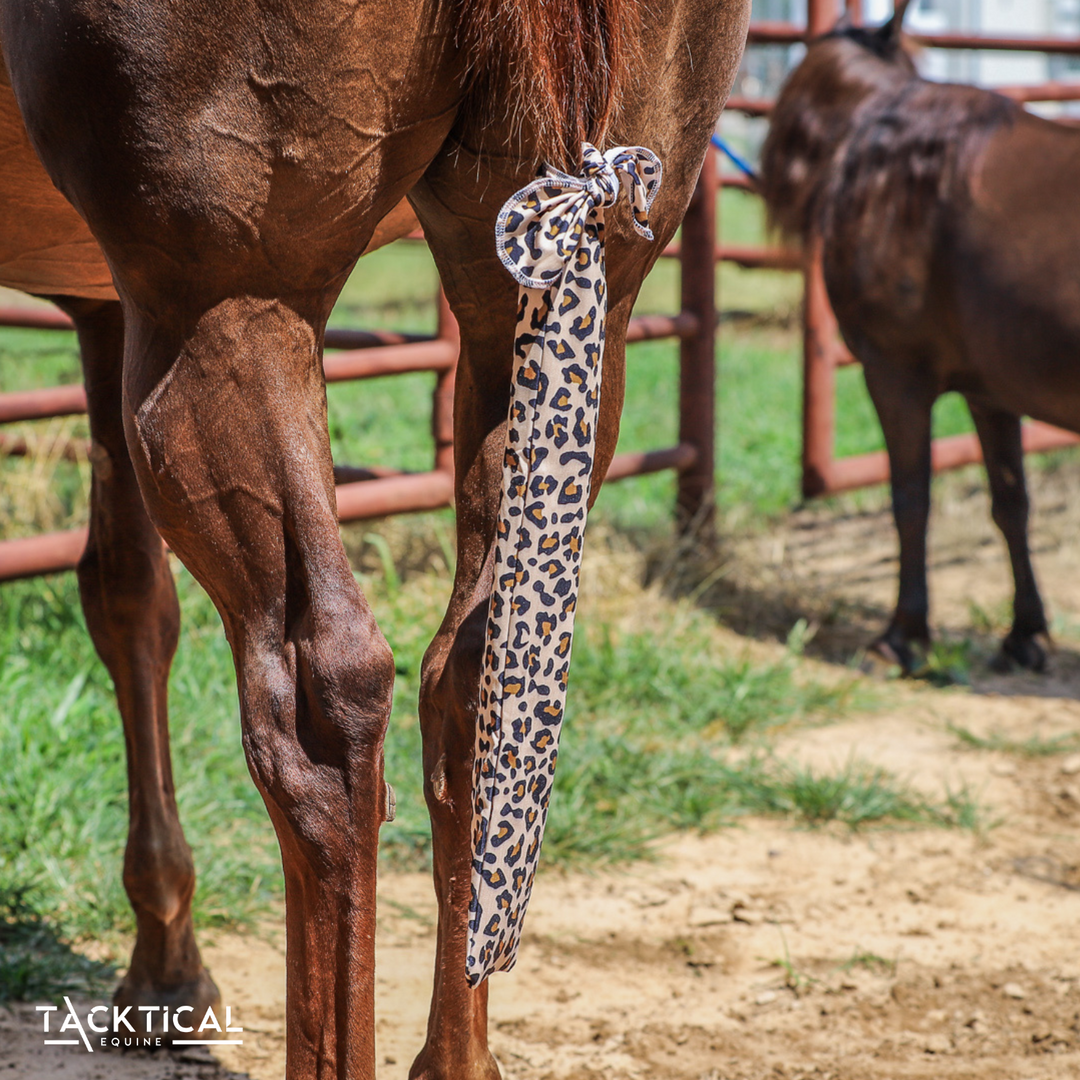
[153, 1007]
[898, 648]
[1025, 650]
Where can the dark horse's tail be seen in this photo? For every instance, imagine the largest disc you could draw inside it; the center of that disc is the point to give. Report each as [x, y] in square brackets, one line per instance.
[561, 66]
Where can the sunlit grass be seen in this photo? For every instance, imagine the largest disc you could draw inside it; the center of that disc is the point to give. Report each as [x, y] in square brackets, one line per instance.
[1035, 746]
[35, 960]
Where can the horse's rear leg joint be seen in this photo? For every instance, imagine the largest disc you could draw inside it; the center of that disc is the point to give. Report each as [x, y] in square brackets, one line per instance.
[316, 711]
[439, 787]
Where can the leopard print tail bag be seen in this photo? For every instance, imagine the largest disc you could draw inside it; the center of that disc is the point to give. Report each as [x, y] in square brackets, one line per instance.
[550, 236]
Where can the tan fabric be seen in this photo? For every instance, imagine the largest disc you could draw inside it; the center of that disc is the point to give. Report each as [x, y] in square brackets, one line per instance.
[550, 236]
[45, 247]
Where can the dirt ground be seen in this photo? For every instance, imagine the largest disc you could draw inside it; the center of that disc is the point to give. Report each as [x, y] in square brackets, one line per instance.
[770, 951]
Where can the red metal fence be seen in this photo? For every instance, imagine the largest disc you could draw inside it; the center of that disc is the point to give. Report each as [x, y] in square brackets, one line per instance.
[823, 352]
[360, 354]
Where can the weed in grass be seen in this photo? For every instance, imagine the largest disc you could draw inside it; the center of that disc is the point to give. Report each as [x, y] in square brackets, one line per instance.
[391, 579]
[798, 982]
[870, 962]
[949, 662]
[36, 963]
[995, 619]
[1033, 747]
[855, 796]
[963, 810]
[47, 488]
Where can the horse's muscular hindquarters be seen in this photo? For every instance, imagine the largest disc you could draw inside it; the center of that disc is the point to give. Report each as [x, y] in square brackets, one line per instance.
[233, 160]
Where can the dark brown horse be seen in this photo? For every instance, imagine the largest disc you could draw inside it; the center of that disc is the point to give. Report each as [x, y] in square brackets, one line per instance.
[950, 231]
[233, 160]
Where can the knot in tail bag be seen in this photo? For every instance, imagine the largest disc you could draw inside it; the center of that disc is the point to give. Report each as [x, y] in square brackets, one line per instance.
[550, 236]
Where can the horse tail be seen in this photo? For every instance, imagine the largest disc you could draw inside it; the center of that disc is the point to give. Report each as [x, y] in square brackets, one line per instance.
[560, 67]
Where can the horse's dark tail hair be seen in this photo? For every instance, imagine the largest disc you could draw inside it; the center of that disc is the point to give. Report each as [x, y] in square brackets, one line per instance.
[560, 66]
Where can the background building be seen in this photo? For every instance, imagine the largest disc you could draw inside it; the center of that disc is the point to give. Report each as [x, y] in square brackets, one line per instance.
[765, 66]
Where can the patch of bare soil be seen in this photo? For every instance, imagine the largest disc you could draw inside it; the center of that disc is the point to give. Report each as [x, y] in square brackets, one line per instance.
[769, 952]
[835, 564]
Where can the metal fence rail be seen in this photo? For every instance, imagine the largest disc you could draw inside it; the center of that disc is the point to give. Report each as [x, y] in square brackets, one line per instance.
[360, 354]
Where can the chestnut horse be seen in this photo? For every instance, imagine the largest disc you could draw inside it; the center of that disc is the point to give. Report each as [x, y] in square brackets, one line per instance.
[233, 159]
[950, 234]
[125, 584]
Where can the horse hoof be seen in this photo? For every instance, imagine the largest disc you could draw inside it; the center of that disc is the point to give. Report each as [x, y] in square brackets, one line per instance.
[1027, 651]
[148, 1006]
[899, 654]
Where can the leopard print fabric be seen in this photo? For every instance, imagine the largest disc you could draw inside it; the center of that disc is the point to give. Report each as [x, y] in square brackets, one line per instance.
[550, 236]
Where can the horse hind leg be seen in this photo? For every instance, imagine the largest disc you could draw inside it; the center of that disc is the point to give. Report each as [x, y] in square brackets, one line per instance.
[483, 297]
[228, 432]
[456, 202]
[904, 400]
[1000, 437]
[131, 610]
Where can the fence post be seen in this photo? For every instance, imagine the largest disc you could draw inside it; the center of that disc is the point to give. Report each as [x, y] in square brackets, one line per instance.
[819, 378]
[696, 499]
[821, 16]
[442, 405]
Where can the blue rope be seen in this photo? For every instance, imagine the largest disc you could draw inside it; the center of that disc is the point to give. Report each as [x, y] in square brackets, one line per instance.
[740, 162]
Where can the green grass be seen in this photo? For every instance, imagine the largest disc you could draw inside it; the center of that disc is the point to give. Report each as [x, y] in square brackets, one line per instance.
[36, 962]
[679, 685]
[1032, 747]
